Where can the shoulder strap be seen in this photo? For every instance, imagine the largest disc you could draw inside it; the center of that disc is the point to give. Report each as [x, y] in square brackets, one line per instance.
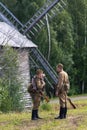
[64, 79]
[33, 83]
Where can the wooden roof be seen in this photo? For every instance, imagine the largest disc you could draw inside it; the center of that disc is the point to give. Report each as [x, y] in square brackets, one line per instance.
[12, 37]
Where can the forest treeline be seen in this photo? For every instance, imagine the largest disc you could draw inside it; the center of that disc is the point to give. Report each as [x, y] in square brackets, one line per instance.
[68, 37]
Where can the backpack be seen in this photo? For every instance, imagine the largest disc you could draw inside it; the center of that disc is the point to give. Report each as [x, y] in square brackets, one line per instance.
[32, 86]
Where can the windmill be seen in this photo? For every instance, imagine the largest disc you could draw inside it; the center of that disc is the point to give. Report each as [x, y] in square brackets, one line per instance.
[32, 27]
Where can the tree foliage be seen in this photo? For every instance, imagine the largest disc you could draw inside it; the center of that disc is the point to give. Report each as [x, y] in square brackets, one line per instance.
[9, 83]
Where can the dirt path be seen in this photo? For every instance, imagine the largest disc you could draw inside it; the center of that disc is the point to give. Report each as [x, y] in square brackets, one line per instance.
[72, 98]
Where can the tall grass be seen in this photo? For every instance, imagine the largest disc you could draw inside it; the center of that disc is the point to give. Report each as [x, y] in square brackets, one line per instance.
[76, 119]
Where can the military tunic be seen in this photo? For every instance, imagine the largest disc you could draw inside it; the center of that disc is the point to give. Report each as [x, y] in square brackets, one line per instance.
[36, 96]
[62, 93]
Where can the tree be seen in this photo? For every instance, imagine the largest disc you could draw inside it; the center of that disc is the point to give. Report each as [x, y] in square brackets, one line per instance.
[9, 83]
[79, 17]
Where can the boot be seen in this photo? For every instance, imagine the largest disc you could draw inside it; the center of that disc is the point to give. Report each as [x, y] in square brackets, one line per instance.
[34, 115]
[37, 115]
[61, 114]
[65, 112]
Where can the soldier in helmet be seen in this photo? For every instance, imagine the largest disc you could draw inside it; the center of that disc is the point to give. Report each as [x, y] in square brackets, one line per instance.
[61, 92]
[38, 84]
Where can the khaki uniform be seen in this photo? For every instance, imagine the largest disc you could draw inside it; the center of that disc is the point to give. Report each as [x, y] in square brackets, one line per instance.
[36, 96]
[62, 93]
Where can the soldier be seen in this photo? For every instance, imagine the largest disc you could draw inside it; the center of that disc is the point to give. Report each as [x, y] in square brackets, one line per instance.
[61, 92]
[38, 84]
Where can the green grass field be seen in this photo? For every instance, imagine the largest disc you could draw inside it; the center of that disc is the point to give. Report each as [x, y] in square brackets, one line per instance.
[76, 119]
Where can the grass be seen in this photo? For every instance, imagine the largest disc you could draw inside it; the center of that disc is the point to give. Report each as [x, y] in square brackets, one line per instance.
[76, 119]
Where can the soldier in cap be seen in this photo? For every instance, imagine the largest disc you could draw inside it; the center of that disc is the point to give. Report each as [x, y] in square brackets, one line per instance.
[61, 91]
[38, 84]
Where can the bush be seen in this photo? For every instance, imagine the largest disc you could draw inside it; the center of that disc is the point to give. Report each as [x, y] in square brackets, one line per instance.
[46, 107]
[74, 90]
[10, 85]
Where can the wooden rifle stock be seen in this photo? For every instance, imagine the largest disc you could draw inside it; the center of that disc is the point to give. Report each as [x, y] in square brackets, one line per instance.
[44, 96]
[71, 103]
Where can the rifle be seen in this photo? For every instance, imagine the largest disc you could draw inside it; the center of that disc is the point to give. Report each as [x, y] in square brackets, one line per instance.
[71, 103]
[31, 90]
[44, 96]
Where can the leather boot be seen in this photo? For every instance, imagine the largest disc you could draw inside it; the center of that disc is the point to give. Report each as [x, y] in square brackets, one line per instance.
[33, 117]
[65, 112]
[61, 114]
[37, 115]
